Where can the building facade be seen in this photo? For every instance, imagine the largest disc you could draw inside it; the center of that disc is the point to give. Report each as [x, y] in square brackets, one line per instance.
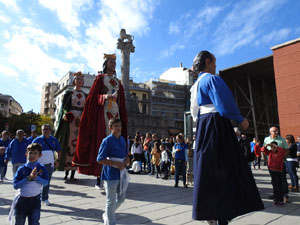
[286, 59]
[142, 93]
[47, 99]
[169, 101]
[9, 106]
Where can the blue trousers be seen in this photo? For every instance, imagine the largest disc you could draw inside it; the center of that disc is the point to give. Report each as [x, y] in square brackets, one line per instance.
[28, 207]
[291, 167]
[113, 199]
[45, 189]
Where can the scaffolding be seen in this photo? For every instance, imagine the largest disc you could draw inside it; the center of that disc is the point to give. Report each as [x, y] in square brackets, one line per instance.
[253, 87]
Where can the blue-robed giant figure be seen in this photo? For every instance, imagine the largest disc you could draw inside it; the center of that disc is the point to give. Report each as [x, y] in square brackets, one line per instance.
[224, 187]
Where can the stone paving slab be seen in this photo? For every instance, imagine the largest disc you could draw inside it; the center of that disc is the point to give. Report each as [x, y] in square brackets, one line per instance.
[149, 201]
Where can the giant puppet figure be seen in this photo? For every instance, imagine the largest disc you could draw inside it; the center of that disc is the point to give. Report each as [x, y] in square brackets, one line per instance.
[68, 124]
[105, 101]
[224, 187]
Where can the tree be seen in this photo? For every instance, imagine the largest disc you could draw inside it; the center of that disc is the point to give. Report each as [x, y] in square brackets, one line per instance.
[24, 122]
[43, 119]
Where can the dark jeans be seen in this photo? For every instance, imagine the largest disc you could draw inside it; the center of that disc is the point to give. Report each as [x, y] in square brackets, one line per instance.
[28, 207]
[284, 181]
[148, 160]
[2, 172]
[165, 169]
[291, 167]
[157, 170]
[257, 162]
[45, 189]
[180, 168]
[5, 169]
[277, 185]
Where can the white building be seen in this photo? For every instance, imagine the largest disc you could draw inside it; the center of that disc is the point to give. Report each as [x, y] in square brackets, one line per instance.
[179, 75]
[9, 106]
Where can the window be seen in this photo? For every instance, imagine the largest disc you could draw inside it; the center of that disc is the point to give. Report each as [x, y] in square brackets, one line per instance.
[144, 97]
[134, 94]
[144, 109]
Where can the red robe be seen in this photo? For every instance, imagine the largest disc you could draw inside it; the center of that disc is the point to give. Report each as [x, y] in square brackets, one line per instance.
[92, 127]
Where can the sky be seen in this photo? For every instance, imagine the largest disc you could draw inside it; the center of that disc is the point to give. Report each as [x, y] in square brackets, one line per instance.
[41, 40]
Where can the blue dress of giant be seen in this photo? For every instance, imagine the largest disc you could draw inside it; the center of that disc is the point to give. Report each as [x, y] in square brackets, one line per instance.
[224, 187]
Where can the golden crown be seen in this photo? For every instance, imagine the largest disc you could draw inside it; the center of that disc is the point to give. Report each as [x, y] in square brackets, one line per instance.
[109, 56]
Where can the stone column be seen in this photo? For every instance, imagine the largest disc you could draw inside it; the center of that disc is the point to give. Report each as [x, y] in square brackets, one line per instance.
[126, 46]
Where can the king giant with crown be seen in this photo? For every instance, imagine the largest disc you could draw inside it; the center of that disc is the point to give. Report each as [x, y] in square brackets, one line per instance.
[105, 101]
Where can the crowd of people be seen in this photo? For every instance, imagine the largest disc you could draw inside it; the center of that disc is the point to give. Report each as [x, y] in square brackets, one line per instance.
[163, 157]
[91, 138]
[148, 154]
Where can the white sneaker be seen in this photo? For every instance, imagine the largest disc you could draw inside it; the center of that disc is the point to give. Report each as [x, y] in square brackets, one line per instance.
[104, 218]
[47, 203]
[99, 187]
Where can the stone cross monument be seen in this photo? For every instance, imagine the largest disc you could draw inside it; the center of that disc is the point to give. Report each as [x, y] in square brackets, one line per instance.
[126, 46]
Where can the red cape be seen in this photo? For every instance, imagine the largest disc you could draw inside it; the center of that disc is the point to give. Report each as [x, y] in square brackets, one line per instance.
[92, 128]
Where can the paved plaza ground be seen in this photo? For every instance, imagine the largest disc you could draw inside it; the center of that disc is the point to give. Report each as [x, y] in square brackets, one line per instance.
[149, 201]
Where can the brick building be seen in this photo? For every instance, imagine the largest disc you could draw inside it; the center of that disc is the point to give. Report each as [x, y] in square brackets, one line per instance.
[286, 59]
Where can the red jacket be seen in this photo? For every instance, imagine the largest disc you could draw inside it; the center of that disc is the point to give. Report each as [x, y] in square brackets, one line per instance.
[257, 151]
[275, 161]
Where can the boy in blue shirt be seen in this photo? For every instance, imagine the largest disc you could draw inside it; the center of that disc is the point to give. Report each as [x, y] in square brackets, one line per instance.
[29, 179]
[113, 155]
[181, 158]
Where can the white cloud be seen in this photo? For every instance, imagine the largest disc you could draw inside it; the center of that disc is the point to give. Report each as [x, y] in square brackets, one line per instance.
[102, 36]
[4, 19]
[68, 11]
[274, 37]
[188, 25]
[174, 28]
[140, 74]
[201, 21]
[242, 25]
[42, 56]
[170, 51]
[8, 72]
[11, 4]
[33, 63]
[6, 34]
[44, 39]
[26, 21]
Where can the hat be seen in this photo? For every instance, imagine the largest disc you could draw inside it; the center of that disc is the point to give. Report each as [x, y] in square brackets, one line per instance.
[109, 56]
